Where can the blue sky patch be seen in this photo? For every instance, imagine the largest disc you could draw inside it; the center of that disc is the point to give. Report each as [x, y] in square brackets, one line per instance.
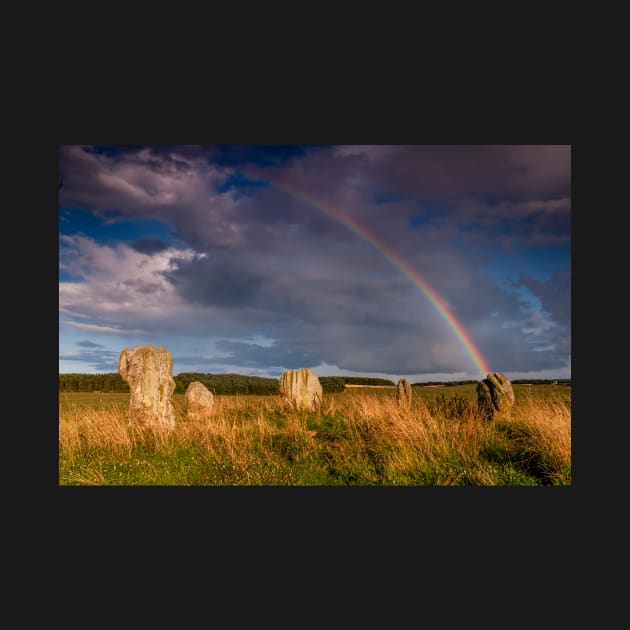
[418, 220]
[97, 226]
[241, 185]
[261, 155]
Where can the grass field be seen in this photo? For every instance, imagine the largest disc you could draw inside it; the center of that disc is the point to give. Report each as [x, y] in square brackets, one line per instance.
[359, 437]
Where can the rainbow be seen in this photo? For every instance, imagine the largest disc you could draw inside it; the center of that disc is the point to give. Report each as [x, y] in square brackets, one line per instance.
[480, 363]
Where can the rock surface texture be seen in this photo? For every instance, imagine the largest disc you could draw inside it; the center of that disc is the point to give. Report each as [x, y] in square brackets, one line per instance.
[495, 395]
[302, 388]
[149, 372]
[404, 392]
[199, 401]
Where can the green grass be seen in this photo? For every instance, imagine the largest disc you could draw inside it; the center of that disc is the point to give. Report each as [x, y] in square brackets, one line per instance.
[361, 438]
[96, 400]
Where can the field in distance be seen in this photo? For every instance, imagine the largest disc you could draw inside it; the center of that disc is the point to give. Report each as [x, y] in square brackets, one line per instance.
[108, 400]
[360, 436]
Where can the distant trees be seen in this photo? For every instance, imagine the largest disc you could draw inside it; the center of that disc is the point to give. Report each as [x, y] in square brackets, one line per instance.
[111, 382]
[228, 383]
[239, 384]
[364, 380]
[542, 381]
[443, 383]
[216, 383]
[526, 381]
[332, 384]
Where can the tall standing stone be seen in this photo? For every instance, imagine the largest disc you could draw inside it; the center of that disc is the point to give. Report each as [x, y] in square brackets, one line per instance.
[302, 388]
[495, 395]
[149, 372]
[199, 401]
[404, 392]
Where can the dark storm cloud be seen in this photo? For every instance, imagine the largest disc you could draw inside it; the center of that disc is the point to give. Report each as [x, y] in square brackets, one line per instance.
[433, 173]
[88, 344]
[201, 201]
[303, 285]
[322, 311]
[349, 306]
[493, 188]
[278, 264]
[487, 172]
[149, 245]
[220, 280]
[141, 183]
[476, 194]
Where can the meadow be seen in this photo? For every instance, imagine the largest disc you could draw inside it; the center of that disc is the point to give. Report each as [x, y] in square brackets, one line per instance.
[360, 436]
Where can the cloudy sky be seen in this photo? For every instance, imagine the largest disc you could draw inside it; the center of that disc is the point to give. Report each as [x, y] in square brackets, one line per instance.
[258, 259]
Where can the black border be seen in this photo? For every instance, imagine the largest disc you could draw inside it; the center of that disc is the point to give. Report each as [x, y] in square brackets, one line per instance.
[433, 525]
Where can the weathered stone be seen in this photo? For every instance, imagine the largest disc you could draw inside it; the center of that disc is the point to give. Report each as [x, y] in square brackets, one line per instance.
[199, 401]
[495, 395]
[302, 388]
[149, 372]
[404, 392]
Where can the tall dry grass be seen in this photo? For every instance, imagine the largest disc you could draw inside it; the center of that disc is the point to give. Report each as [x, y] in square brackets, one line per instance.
[358, 438]
[540, 429]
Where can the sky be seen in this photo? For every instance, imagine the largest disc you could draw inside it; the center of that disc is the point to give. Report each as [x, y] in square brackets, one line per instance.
[425, 262]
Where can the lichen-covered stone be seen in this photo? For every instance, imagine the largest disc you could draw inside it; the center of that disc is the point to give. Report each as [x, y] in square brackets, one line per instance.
[149, 372]
[302, 388]
[484, 400]
[404, 392]
[495, 395]
[199, 401]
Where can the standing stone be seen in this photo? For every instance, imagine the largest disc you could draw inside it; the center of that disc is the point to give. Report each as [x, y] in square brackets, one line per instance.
[302, 388]
[199, 401]
[404, 392]
[495, 395]
[149, 372]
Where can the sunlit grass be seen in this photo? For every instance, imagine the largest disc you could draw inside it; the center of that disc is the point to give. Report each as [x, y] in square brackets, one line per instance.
[358, 437]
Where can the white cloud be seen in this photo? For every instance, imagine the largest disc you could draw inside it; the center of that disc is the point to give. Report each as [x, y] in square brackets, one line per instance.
[540, 323]
[549, 348]
[181, 191]
[100, 329]
[121, 287]
[71, 313]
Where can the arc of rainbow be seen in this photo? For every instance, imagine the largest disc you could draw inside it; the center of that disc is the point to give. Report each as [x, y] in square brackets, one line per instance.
[480, 363]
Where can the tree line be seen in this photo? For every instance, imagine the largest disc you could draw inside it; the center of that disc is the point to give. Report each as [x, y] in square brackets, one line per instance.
[240, 384]
[542, 381]
[365, 380]
[110, 382]
[216, 383]
[227, 383]
[521, 381]
[442, 383]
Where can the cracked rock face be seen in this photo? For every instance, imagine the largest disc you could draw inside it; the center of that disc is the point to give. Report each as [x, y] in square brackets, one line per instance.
[149, 372]
[302, 388]
[495, 395]
[404, 392]
[199, 401]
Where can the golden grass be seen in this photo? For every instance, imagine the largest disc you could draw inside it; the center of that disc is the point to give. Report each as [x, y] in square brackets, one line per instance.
[542, 431]
[359, 429]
